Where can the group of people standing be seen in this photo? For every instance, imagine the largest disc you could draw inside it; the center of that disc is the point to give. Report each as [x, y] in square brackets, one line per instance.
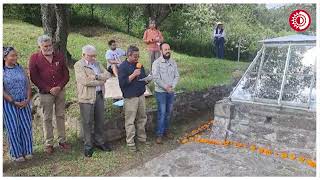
[49, 73]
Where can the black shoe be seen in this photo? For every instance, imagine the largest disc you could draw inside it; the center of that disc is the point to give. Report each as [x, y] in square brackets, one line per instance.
[104, 147]
[88, 152]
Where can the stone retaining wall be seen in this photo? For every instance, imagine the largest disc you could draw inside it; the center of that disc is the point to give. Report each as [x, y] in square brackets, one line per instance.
[278, 128]
[187, 105]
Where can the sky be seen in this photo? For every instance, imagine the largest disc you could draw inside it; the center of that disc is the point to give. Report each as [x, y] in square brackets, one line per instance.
[271, 5]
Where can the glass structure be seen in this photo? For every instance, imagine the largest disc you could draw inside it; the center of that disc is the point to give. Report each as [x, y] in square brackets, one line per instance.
[282, 74]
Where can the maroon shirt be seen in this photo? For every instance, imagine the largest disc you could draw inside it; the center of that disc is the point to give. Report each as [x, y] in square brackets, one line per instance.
[46, 75]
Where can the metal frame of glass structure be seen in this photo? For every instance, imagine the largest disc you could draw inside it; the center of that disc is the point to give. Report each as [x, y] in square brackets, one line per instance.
[289, 42]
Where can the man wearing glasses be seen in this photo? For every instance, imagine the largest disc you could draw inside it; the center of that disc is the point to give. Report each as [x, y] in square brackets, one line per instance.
[90, 77]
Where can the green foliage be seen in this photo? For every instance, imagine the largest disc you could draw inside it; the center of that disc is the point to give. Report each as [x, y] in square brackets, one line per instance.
[188, 28]
[26, 12]
[124, 18]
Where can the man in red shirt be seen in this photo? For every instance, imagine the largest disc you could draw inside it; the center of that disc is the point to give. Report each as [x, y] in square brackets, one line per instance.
[48, 71]
[153, 37]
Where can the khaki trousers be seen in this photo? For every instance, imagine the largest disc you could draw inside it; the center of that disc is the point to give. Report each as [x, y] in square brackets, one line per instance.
[135, 119]
[47, 103]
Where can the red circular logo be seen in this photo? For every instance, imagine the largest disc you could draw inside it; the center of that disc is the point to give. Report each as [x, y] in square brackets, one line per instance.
[299, 20]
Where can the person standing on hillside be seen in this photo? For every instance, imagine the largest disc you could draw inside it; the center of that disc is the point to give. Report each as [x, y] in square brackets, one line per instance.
[130, 74]
[90, 77]
[153, 37]
[49, 72]
[219, 39]
[166, 76]
[17, 117]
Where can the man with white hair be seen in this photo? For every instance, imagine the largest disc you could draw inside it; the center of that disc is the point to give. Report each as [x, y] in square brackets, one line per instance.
[48, 71]
[90, 77]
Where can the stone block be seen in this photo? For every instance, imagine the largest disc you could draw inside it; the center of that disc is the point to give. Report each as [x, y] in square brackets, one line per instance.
[296, 139]
[224, 109]
[220, 128]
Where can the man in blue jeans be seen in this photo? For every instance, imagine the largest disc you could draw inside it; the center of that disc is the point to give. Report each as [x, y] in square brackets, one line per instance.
[166, 76]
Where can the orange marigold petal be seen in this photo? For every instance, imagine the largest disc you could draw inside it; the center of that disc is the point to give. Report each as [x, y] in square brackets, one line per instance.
[284, 155]
[311, 163]
[292, 156]
[301, 159]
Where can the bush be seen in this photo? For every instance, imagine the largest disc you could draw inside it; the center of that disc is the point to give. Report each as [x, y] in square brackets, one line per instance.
[30, 13]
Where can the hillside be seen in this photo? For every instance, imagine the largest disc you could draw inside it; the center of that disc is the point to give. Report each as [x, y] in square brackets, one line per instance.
[196, 73]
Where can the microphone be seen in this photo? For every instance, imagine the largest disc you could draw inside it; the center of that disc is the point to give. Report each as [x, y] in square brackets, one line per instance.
[138, 65]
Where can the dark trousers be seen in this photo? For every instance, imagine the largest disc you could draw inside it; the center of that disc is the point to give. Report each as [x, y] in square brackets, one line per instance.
[92, 119]
[219, 45]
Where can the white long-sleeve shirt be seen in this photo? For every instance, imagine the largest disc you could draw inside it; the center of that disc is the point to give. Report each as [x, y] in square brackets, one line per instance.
[218, 35]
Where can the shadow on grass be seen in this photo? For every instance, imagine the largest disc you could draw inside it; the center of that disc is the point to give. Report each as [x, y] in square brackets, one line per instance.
[73, 163]
[40, 158]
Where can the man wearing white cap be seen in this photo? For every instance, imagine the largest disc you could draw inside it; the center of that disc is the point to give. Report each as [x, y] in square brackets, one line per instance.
[218, 36]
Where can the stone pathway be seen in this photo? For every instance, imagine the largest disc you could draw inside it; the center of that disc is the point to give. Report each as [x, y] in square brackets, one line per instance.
[196, 159]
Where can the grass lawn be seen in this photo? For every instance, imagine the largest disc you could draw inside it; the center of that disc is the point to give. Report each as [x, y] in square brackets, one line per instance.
[196, 74]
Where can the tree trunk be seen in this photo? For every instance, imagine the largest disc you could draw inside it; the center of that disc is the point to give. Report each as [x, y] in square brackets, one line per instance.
[200, 47]
[49, 21]
[128, 19]
[55, 23]
[159, 12]
[92, 11]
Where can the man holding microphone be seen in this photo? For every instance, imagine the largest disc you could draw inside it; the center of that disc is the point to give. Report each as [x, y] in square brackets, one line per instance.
[130, 72]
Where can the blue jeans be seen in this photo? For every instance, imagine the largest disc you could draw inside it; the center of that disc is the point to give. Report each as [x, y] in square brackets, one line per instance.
[165, 107]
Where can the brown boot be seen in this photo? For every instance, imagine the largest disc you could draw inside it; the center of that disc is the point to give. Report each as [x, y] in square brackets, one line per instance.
[168, 135]
[159, 140]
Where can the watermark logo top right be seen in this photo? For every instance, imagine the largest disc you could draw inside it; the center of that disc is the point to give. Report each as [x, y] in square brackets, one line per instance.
[299, 20]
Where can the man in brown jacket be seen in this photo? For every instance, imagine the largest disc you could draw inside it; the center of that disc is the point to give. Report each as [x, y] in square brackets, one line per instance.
[90, 77]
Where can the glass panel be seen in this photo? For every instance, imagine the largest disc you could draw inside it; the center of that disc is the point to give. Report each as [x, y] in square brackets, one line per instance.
[302, 59]
[255, 67]
[275, 59]
[245, 89]
[269, 86]
[269, 83]
[313, 95]
[297, 89]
